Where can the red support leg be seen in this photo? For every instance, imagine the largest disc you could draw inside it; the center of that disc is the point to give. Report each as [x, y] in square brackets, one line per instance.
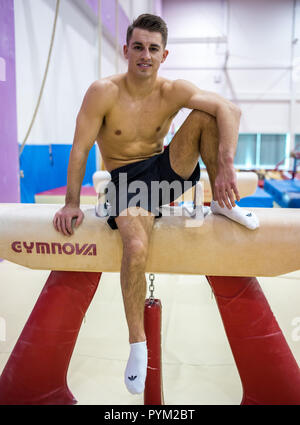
[36, 370]
[268, 370]
[153, 393]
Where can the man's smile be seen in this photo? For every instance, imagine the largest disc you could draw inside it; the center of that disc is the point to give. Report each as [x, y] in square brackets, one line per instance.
[144, 65]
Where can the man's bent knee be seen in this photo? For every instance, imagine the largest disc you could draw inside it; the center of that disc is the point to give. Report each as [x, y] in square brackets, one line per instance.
[202, 118]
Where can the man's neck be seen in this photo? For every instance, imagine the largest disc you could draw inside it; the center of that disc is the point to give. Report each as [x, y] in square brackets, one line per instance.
[140, 87]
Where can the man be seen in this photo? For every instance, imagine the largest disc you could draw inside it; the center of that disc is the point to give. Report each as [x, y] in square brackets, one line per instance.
[129, 116]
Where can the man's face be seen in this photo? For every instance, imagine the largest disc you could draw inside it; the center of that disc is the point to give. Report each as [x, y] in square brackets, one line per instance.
[145, 52]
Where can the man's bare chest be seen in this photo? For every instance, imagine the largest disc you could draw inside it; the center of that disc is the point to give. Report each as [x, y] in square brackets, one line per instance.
[135, 120]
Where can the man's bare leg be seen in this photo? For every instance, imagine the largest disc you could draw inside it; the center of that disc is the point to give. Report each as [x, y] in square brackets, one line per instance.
[199, 135]
[135, 232]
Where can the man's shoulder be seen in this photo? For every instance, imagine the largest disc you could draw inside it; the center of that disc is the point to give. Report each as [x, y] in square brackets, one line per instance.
[108, 85]
[102, 93]
[178, 86]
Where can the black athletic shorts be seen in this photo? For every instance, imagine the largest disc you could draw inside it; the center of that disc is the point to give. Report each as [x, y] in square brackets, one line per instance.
[148, 184]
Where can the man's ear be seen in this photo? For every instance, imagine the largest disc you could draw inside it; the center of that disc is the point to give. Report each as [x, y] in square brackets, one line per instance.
[165, 54]
[125, 51]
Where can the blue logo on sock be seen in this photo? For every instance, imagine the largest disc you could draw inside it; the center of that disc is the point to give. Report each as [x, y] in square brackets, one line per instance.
[249, 215]
[132, 378]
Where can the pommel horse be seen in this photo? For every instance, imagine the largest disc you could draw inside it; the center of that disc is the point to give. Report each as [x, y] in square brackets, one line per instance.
[229, 255]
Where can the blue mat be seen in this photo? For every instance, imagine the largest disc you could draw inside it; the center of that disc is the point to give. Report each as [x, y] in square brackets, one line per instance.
[286, 193]
[259, 199]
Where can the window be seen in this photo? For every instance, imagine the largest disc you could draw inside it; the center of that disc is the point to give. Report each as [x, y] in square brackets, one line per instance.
[245, 156]
[297, 142]
[261, 150]
[272, 149]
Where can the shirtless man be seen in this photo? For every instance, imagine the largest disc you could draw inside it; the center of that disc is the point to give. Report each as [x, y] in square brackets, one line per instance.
[129, 115]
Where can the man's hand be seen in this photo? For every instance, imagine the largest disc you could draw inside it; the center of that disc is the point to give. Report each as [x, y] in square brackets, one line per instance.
[63, 219]
[226, 190]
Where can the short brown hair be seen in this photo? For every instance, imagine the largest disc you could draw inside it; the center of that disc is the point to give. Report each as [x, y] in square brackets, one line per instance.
[150, 23]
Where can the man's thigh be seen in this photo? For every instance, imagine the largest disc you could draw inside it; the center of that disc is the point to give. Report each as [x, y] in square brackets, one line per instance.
[185, 145]
[135, 224]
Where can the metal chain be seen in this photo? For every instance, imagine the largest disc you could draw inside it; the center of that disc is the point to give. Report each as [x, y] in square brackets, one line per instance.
[151, 287]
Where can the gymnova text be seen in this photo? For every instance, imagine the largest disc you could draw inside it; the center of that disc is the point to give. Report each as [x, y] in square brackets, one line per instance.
[54, 248]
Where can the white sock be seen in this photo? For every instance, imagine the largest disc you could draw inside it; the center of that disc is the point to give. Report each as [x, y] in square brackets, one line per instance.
[245, 217]
[136, 369]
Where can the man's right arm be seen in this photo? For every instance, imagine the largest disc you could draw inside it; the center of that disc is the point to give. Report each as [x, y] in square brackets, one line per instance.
[95, 105]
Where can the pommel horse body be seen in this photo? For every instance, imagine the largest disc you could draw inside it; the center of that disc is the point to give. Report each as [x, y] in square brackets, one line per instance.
[229, 255]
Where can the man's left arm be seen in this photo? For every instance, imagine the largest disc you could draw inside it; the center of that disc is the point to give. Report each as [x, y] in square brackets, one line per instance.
[228, 116]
